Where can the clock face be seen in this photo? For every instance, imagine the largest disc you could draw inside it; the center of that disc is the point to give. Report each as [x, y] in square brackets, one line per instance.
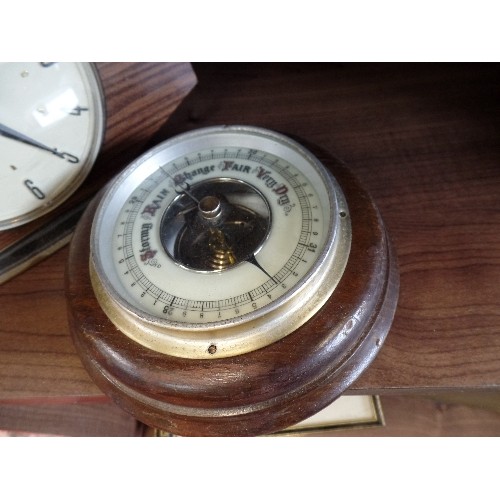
[51, 128]
[219, 242]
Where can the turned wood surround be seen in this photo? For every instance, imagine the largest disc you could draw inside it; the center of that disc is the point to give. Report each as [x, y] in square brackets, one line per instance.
[267, 389]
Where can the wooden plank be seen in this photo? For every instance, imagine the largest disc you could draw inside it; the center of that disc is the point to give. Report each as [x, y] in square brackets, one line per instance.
[103, 419]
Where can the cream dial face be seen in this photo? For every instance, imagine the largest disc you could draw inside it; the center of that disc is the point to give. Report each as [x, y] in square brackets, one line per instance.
[162, 282]
[51, 128]
[221, 241]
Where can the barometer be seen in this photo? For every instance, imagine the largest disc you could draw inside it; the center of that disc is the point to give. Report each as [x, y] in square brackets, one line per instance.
[230, 282]
[223, 241]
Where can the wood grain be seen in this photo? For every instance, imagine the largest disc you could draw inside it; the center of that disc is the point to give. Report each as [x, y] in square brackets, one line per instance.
[423, 139]
[93, 419]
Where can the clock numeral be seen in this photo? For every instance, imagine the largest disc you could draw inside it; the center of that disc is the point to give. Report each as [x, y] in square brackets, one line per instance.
[37, 192]
[69, 157]
[47, 64]
[77, 111]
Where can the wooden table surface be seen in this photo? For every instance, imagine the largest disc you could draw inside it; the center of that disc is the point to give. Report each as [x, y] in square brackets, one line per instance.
[424, 139]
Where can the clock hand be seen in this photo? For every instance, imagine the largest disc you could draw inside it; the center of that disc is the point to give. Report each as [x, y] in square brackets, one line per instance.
[18, 136]
[187, 190]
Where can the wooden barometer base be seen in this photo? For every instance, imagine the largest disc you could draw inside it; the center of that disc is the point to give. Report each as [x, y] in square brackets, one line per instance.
[262, 391]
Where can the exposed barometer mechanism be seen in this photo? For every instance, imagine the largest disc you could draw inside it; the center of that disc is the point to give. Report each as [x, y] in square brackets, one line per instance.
[240, 283]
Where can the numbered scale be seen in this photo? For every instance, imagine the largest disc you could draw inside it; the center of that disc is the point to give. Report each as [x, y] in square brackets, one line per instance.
[233, 285]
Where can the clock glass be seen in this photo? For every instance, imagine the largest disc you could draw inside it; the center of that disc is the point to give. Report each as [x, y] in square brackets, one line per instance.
[51, 127]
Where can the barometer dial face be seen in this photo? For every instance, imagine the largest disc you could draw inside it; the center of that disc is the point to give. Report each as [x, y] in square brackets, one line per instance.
[219, 242]
[51, 127]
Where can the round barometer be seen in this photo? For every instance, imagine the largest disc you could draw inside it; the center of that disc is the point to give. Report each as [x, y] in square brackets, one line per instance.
[241, 284]
[219, 242]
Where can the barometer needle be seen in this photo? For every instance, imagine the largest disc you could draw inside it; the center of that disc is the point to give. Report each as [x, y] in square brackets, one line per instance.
[253, 260]
[18, 136]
